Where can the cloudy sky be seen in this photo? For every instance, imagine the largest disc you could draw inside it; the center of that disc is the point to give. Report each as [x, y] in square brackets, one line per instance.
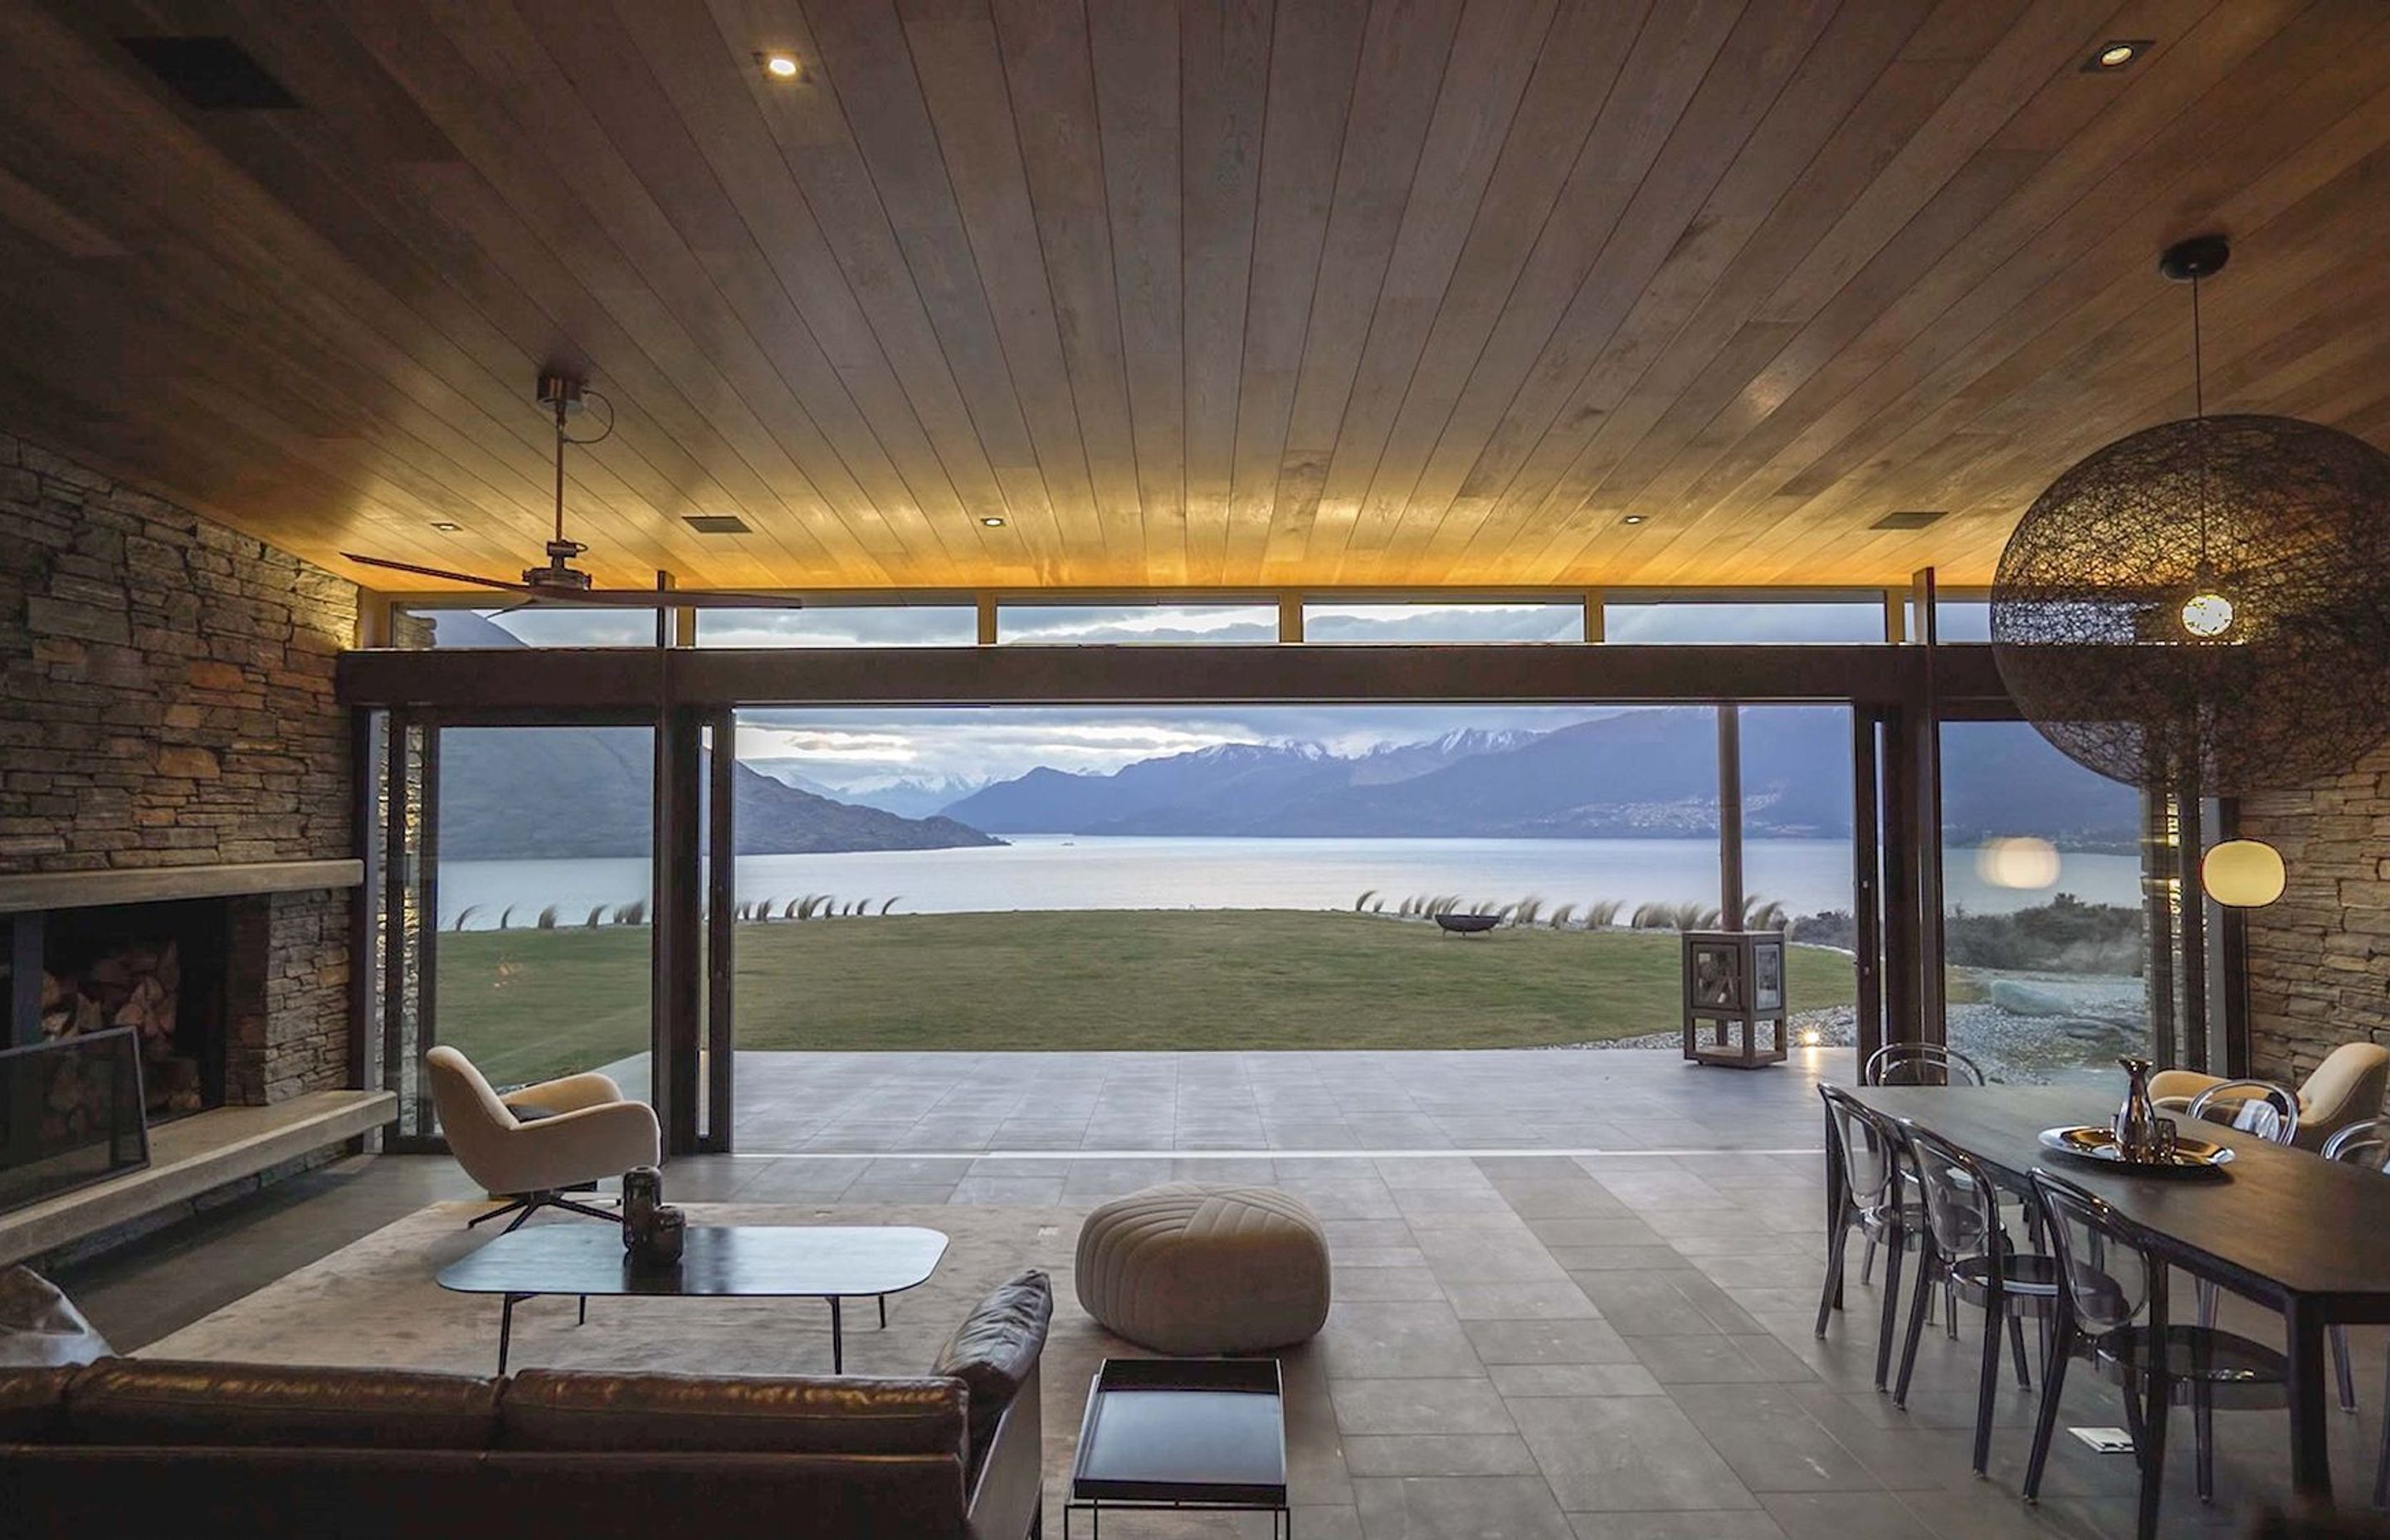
[842, 748]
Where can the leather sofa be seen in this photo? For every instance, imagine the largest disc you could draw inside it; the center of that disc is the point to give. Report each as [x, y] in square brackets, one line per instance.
[136, 1447]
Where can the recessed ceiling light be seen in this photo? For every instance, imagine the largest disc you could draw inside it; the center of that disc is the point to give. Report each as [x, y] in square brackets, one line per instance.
[781, 66]
[444, 527]
[1632, 518]
[2116, 53]
[993, 522]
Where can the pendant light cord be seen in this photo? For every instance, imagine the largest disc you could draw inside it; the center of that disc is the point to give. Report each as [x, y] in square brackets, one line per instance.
[2199, 415]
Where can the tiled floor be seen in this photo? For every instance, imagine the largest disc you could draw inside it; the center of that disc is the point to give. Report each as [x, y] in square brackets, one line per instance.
[1583, 1346]
[1509, 1099]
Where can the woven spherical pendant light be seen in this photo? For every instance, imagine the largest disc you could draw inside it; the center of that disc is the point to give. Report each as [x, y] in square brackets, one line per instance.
[2206, 599]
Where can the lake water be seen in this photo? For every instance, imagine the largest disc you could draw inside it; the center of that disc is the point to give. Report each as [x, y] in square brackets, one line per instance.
[1042, 871]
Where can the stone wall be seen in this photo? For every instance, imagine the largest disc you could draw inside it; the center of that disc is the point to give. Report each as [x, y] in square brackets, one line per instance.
[2319, 957]
[166, 699]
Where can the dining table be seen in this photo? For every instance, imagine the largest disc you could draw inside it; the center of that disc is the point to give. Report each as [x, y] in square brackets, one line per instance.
[2303, 1236]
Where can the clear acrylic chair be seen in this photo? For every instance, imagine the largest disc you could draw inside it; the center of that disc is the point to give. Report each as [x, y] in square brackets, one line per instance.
[1865, 1147]
[2112, 1312]
[1920, 1064]
[1968, 1249]
[2257, 1106]
[1914, 1064]
[2363, 1143]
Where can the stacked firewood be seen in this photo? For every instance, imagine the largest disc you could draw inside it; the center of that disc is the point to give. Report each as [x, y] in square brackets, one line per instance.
[135, 986]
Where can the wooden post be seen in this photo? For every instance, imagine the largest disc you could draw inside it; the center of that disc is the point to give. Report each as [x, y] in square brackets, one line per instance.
[2193, 904]
[1932, 1021]
[1290, 617]
[1729, 773]
[1595, 618]
[720, 1044]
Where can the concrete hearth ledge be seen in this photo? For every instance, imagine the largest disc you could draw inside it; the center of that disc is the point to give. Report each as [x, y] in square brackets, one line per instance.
[190, 1156]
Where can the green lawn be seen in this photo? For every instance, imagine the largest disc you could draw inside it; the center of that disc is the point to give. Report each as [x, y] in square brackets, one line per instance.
[526, 1004]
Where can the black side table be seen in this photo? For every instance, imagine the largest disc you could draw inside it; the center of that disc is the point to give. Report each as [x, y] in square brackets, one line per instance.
[1160, 1433]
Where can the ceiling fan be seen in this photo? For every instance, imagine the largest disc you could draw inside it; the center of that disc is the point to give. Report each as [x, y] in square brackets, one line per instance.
[560, 580]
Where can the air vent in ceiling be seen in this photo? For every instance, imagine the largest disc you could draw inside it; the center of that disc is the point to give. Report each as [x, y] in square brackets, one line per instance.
[214, 74]
[716, 523]
[1914, 519]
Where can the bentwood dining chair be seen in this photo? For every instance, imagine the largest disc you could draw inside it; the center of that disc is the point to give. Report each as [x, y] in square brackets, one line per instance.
[1865, 1147]
[2364, 1144]
[2112, 1312]
[1967, 1249]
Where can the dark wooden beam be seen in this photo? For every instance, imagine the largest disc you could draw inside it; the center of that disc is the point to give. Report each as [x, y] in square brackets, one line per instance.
[539, 683]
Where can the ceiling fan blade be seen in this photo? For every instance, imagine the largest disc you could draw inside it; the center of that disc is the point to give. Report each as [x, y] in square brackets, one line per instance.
[437, 572]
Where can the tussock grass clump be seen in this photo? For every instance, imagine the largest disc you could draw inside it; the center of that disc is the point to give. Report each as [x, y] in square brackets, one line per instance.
[467, 912]
[635, 913]
[546, 921]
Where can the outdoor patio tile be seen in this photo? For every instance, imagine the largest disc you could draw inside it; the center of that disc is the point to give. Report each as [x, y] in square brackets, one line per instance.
[1395, 1341]
[1458, 1508]
[1503, 1170]
[1539, 1379]
[1257, 1170]
[1631, 1454]
[1438, 1455]
[1434, 1171]
[791, 1181]
[867, 1191]
[1559, 1300]
[1008, 1189]
[1419, 1407]
[1547, 1341]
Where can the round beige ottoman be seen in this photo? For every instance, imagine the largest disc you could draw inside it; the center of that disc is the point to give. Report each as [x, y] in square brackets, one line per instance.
[1189, 1269]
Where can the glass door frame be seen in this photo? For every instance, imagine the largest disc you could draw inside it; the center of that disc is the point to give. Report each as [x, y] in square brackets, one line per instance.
[402, 768]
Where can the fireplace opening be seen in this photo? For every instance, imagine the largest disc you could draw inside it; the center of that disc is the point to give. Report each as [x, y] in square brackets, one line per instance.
[156, 968]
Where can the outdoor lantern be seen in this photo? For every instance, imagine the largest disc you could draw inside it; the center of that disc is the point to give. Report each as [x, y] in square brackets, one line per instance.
[2242, 874]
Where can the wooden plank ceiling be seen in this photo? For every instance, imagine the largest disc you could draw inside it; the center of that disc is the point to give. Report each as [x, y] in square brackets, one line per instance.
[1224, 293]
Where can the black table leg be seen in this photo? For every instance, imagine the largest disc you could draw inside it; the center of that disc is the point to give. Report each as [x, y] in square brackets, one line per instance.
[837, 1339]
[883, 1312]
[2303, 1327]
[507, 1326]
[584, 1312]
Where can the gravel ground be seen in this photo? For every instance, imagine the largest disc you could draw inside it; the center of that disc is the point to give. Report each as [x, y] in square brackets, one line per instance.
[2014, 1049]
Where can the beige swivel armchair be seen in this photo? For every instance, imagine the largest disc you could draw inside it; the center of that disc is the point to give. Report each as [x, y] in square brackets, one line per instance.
[584, 1130]
[2346, 1089]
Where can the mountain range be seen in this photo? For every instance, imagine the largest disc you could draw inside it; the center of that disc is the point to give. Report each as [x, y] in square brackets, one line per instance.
[1635, 773]
[541, 793]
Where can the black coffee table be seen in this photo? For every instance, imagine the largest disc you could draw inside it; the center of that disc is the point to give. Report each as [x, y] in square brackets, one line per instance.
[828, 1261]
[1206, 1434]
